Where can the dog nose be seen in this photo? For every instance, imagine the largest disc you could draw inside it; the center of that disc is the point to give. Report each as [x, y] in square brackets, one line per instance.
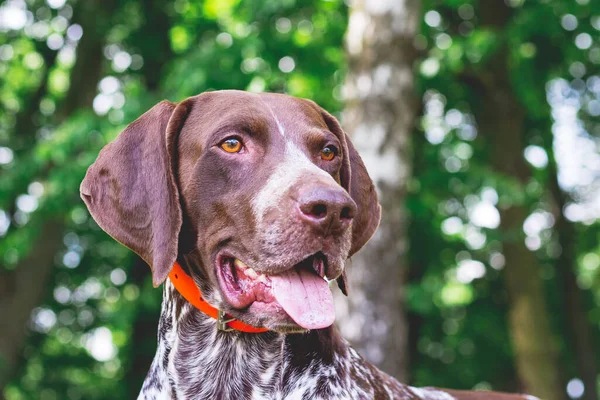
[327, 209]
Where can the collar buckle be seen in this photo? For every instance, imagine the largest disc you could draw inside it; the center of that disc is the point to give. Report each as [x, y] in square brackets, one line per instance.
[187, 288]
[222, 322]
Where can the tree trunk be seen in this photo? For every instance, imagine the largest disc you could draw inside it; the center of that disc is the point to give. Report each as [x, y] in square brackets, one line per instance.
[501, 119]
[21, 291]
[95, 18]
[578, 325]
[379, 116]
[25, 287]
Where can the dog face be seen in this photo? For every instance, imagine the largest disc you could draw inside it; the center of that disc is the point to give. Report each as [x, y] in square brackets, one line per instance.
[262, 197]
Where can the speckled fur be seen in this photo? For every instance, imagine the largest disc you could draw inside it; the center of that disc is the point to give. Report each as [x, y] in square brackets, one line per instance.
[194, 361]
[167, 190]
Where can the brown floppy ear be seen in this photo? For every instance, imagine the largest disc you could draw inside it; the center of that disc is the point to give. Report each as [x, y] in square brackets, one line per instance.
[356, 181]
[131, 190]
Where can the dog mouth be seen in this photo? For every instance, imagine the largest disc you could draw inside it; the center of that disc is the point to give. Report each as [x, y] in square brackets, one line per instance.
[301, 291]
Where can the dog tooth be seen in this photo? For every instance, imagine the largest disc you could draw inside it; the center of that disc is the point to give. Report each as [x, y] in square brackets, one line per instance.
[250, 273]
[240, 264]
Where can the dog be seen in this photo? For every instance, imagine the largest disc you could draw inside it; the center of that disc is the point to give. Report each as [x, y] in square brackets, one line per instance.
[246, 206]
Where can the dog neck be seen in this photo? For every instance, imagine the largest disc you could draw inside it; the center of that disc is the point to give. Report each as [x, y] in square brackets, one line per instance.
[194, 360]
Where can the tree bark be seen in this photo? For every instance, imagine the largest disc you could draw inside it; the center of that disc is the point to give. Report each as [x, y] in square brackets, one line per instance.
[379, 117]
[500, 119]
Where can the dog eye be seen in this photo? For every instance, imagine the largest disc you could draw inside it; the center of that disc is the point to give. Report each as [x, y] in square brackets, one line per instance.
[232, 145]
[328, 153]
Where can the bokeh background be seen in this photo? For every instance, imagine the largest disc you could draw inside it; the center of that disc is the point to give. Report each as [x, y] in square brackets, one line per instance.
[478, 120]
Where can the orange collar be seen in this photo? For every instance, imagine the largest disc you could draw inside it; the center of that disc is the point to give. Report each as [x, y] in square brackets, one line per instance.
[186, 286]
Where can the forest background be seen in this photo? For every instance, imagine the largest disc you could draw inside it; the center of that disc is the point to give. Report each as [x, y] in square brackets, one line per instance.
[478, 120]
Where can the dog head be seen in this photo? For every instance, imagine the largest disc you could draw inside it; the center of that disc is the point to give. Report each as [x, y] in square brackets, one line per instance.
[262, 196]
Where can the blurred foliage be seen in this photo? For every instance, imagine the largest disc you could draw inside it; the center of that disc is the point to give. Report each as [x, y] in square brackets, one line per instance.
[85, 338]
[456, 249]
[99, 293]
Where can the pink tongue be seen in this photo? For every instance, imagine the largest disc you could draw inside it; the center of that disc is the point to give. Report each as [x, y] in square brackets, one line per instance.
[305, 296]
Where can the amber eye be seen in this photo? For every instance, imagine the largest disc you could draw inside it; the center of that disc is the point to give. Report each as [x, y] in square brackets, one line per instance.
[328, 153]
[232, 145]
